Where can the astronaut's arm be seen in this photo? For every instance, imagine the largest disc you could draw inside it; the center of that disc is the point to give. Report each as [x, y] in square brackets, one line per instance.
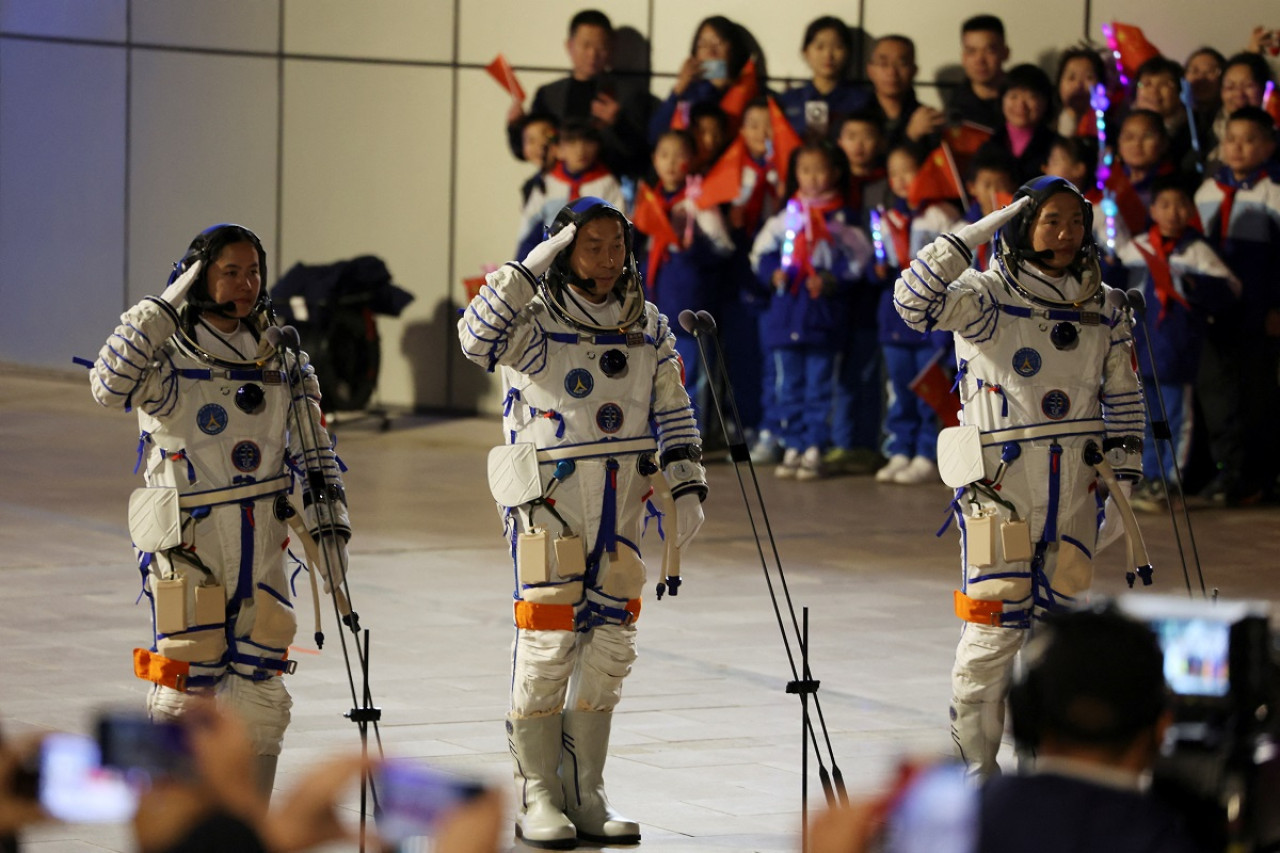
[679, 442]
[496, 327]
[126, 373]
[324, 500]
[1122, 404]
[938, 290]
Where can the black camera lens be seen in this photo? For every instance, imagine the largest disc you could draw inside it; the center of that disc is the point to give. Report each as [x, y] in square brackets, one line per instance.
[250, 399]
[1064, 336]
[613, 362]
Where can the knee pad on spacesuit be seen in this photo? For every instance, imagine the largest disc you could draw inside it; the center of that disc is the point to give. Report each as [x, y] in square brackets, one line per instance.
[541, 663]
[623, 576]
[605, 656]
[984, 662]
[263, 706]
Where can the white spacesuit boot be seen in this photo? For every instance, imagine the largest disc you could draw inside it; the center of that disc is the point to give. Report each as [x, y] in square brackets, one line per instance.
[586, 744]
[535, 748]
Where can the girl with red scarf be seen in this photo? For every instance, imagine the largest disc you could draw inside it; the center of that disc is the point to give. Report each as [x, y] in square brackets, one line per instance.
[810, 253]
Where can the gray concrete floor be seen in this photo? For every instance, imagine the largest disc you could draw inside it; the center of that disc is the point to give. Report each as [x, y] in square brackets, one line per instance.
[706, 751]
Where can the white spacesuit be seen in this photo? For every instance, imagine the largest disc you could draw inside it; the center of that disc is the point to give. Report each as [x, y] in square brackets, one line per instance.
[595, 414]
[219, 447]
[1045, 367]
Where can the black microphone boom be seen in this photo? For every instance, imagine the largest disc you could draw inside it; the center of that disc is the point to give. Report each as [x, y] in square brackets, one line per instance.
[1137, 300]
[802, 682]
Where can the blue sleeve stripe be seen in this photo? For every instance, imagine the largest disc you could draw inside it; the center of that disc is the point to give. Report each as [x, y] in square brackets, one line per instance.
[120, 356]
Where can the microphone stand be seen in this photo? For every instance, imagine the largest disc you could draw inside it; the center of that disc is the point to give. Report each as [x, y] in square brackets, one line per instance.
[1136, 300]
[363, 712]
[802, 683]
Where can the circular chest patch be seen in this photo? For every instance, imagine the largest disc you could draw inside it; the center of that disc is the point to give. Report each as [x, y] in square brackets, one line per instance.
[579, 382]
[609, 418]
[246, 456]
[212, 419]
[1055, 405]
[1026, 362]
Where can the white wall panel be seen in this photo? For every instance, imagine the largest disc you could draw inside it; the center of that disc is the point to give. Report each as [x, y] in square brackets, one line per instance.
[61, 200]
[202, 151]
[373, 29]
[86, 19]
[533, 34]
[252, 25]
[366, 171]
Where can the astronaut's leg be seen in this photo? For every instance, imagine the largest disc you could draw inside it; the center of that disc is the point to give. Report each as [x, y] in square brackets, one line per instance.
[541, 663]
[979, 682]
[604, 661]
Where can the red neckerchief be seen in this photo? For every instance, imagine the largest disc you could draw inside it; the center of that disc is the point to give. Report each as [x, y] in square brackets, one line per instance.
[853, 198]
[656, 222]
[1161, 274]
[814, 232]
[899, 225]
[575, 184]
[1129, 205]
[1227, 182]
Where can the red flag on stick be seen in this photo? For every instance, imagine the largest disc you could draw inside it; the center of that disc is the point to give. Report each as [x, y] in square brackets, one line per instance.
[785, 140]
[1133, 47]
[502, 71]
[934, 387]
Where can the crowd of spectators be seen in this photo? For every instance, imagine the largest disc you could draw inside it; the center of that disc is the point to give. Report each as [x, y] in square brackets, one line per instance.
[787, 210]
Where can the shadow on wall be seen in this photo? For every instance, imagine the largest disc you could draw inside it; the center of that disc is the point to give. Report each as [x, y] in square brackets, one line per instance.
[442, 378]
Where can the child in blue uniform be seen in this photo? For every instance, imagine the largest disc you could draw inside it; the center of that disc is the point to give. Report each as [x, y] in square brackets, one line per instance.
[810, 254]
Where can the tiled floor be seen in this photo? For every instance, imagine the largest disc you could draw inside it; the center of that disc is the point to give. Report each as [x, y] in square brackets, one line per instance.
[706, 749]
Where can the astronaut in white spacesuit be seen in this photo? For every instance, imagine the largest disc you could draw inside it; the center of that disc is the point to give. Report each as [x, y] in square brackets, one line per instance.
[597, 424]
[219, 447]
[1045, 370]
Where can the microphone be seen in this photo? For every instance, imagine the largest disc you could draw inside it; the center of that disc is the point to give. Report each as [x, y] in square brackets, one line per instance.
[1137, 299]
[708, 322]
[1117, 300]
[286, 336]
[689, 322]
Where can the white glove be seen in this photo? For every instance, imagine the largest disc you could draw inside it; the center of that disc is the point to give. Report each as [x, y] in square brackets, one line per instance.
[689, 518]
[335, 550]
[542, 255]
[176, 293]
[977, 233]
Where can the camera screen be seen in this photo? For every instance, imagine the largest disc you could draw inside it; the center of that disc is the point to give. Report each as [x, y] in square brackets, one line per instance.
[75, 787]
[1195, 655]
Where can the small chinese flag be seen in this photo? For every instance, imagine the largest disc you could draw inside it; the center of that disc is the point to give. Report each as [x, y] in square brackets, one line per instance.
[746, 87]
[934, 387]
[723, 181]
[936, 181]
[472, 286]
[785, 140]
[1133, 47]
[502, 71]
[966, 138]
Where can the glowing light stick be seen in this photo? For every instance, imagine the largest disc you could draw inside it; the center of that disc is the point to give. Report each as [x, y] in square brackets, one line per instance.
[1109, 212]
[1100, 103]
[877, 234]
[1189, 104]
[1109, 33]
[792, 220]
[1267, 93]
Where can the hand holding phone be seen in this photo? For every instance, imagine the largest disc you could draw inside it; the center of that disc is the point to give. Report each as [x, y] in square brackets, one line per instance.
[414, 796]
